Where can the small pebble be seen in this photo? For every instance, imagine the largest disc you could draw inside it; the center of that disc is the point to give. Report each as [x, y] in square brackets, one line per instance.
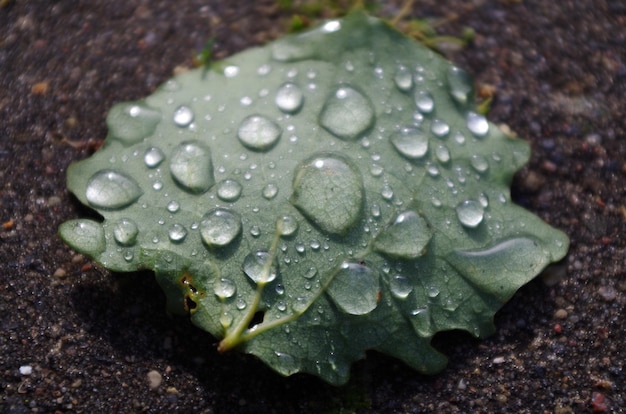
[26, 370]
[560, 314]
[498, 360]
[154, 379]
[60, 273]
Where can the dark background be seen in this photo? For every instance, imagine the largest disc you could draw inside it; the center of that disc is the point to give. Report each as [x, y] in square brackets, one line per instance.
[91, 337]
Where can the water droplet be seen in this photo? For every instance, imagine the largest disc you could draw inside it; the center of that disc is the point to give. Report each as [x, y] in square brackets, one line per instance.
[289, 98]
[315, 245]
[439, 128]
[483, 200]
[375, 210]
[231, 71]
[128, 255]
[479, 163]
[410, 142]
[257, 268]
[477, 124]
[459, 138]
[84, 236]
[400, 286]
[270, 191]
[173, 206]
[355, 288]
[225, 288]
[331, 26]
[328, 190]
[220, 227]
[191, 167]
[459, 85]
[241, 304]
[125, 232]
[432, 291]
[310, 272]
[112, 190]
[470, 213]
[347, 114]
[287, 225]
[132, 122]
[387, 192]
[183, 116]
[286, 364]
[442, 153]
[229, 190]
[258, 133]
[403, 79]
[153, 157]
[424, 101]
[177, 233]
[255, 231]
[405, 238]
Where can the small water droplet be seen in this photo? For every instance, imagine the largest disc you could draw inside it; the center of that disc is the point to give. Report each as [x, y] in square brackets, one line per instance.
[258, 133]
[153, 157]
[231, 71]
[479, 163]
[177, 233]
[287, 226]
[315, 245]
[289, 98]
[406, 237]
[403, 79]
[328, 190]
[459, 85]
[229, 190]
[376, 170]
[483, 200]
[442, 153]
[270, 191]
[387, 192]
[477, 124]
[191, 167]
[432, 291]
[310, 272]
[225, 288]
[459, 138]
[257, 268]
[132, 122]
[241, 304]
[183, 116]
[375, 210]
[470, 213]
[128, 255]
[125, 232]
[424, 101]
[347, 114]
[112, 190]
[410, 142]
[220, 227]
[439, 128]
[173, 206]
[400, 286]
[255, 231]
[355, 288]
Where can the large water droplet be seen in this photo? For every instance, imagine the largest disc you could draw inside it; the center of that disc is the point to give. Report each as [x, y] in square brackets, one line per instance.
[459, 85]
[410, 142]
[477, 124]
[403, 79]
[183, 116]
[289, 98]
[355, 288]
[470, 213]
[225, 288]
[112, 190]
[400, 286]
[500, 268]
[406, 238]
[229, 190]
[347, 114]
[424, 101]
[220, 227]
[191, 167]
[328, 190]
[257, 267]
[285, 363]
[153, 157]
[258, 133]
[125, 232]
[84, 236]
[131, 122]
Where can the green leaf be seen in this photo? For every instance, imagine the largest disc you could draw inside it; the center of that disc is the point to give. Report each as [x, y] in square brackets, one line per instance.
[330, 193]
